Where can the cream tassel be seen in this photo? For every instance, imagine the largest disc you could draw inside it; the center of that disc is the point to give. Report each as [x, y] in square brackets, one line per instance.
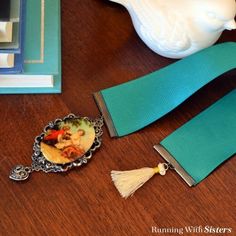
[127, 182]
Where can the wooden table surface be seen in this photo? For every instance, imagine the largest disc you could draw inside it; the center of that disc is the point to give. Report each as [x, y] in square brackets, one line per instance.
[101, 49]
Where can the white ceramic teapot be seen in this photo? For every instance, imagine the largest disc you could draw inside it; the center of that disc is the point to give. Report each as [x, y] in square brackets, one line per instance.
[178, 28]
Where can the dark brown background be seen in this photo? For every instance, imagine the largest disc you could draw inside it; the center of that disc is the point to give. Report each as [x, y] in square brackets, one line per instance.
[100, 49]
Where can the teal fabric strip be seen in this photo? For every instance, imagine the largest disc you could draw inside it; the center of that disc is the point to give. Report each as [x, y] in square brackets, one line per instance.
[133, 105]
[207, 140]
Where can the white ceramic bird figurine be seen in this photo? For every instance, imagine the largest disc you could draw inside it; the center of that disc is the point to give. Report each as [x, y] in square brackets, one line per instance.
[178, 28]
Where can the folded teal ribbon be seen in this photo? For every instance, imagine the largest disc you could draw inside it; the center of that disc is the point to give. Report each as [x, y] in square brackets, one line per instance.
[133, 105]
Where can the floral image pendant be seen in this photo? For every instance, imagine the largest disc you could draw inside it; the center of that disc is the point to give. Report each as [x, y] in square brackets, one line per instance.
[64, 144]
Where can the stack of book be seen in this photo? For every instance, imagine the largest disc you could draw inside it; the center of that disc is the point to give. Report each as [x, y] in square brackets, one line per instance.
[30, 46]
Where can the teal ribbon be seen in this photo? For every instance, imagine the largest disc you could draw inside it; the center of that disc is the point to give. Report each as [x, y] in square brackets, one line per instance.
[133, 105]
[203, 143]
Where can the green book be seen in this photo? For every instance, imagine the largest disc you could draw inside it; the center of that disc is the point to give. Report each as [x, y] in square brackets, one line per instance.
[42, 51]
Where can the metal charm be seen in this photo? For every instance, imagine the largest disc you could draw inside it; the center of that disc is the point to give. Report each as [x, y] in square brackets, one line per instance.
[20, 173]
[64, 144]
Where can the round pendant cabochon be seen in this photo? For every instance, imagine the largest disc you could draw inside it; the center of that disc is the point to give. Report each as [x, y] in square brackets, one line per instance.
[68, 140]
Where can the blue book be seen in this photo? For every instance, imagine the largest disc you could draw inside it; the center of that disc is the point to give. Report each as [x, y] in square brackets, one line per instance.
[17, 13]
[18, 38]
[42, 51]
[14, 63]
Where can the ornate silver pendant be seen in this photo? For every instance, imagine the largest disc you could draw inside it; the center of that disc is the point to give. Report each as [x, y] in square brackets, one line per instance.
[63, 144]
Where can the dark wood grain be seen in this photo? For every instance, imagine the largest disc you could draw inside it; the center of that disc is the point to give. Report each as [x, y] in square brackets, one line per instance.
[101, 49]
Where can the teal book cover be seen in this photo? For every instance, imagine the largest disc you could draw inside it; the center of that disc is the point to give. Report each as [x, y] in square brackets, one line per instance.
[42, 55]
